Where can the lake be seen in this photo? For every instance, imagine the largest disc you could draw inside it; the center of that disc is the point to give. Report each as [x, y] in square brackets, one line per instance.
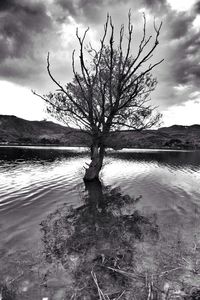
[35, 181]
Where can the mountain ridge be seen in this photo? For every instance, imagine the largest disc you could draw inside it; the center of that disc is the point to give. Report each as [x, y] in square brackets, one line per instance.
[18, 131]
[14, 130]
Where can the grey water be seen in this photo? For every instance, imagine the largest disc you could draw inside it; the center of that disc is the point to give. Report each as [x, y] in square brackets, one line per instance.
[34, 181]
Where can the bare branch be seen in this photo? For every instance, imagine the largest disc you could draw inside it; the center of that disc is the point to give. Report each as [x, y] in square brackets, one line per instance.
[62, 89]
[112, 89]
[143, 44]
[85, 72]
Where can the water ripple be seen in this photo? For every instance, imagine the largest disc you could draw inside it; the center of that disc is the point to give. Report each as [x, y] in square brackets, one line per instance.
[34, 182]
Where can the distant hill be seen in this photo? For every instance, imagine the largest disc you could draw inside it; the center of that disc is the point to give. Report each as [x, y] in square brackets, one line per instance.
[173, 137]
[18, 131]
[14, 130]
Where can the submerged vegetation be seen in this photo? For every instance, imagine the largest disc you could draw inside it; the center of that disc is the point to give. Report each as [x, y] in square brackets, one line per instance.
[108, 250]
[95, 242]
[7, 292]
[105, 249]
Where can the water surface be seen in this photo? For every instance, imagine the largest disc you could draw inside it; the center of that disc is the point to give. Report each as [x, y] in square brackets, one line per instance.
[34, 181]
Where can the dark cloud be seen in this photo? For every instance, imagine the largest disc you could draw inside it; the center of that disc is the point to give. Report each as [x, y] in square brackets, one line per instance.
[27, 34]
[20, 22]
[180, 44]
[156, 6]
[87, 11]
[68, 6]
[179, 24]
[186, 57]
[183, 48]
[7, 4]
[197, 7]
[92, 10]
[82, 10]
[29, 29]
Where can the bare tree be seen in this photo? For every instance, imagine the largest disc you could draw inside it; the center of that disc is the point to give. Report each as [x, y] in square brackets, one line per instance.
[111, 91]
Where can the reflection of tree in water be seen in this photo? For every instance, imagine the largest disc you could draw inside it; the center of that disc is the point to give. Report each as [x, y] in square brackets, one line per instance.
[95, 243]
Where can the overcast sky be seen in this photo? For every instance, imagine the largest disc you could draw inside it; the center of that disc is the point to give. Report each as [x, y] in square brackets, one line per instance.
[31, 28]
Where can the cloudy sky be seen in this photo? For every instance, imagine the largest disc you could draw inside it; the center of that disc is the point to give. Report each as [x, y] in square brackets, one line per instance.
[31, 28]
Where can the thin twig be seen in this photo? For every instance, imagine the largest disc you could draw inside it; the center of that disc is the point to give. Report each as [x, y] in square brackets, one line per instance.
[128, 274]
[168, 271]
[101, 294]
[120, 295]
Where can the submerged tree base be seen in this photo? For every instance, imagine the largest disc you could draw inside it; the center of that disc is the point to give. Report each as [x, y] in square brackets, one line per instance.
[92, 172]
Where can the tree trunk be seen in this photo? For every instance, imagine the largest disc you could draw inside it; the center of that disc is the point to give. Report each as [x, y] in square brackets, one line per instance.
[95, 195]
[97, 156]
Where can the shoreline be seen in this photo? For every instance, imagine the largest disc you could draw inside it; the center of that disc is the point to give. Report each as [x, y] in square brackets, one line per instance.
[108, 148]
